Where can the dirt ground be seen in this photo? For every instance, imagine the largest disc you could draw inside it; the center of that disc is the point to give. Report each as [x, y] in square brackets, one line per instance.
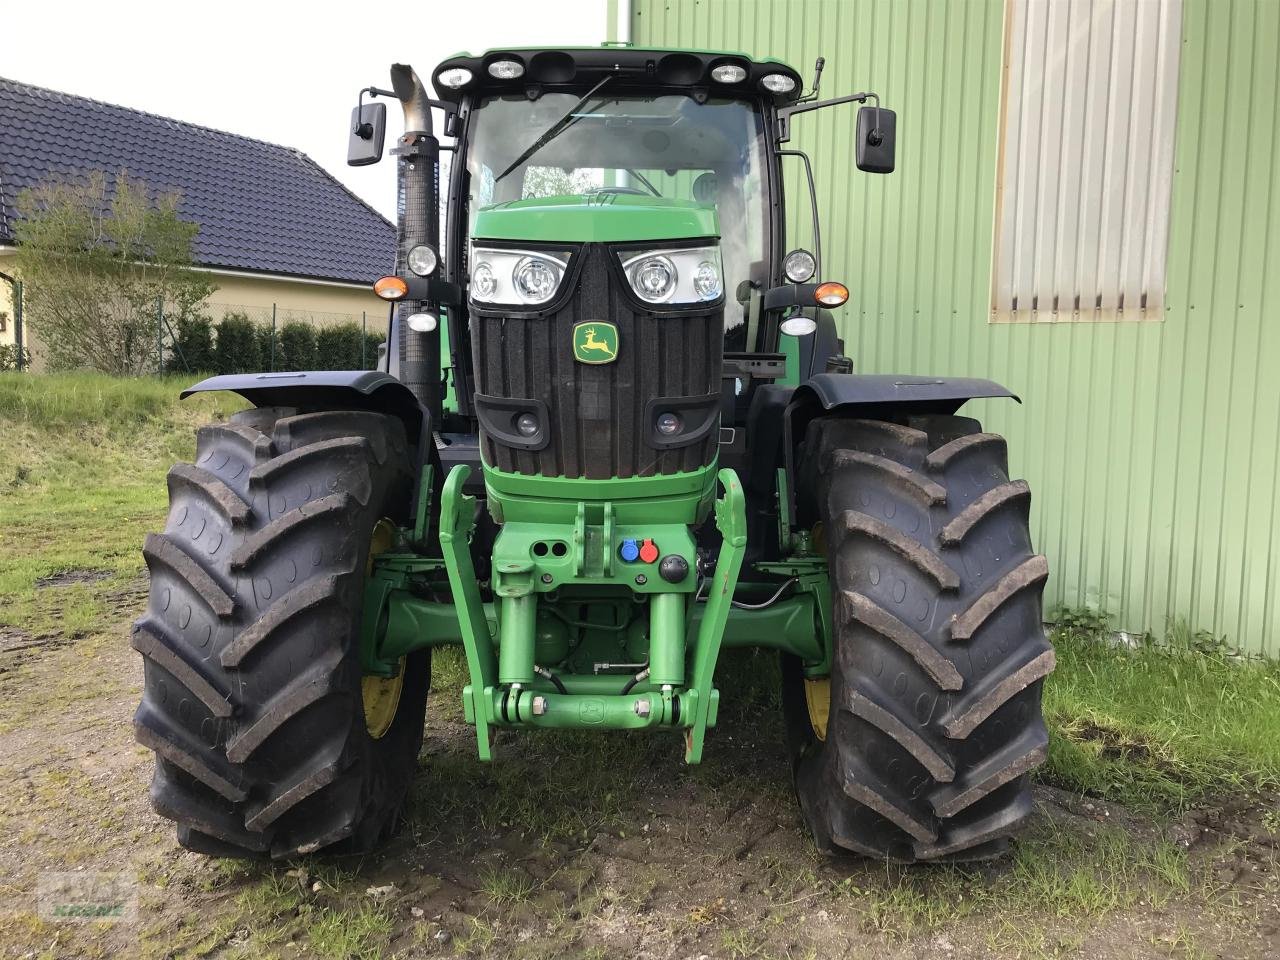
[576, 846]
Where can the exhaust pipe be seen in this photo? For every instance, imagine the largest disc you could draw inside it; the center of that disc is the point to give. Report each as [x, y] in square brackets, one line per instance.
[418, 221]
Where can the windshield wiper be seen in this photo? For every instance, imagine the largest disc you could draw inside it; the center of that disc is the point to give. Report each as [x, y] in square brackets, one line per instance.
[553, 131]
[645, 180]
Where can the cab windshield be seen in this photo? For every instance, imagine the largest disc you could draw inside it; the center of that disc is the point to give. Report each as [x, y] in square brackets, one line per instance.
[668, 146]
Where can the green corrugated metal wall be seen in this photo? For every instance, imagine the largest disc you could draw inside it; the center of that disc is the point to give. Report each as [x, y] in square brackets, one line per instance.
[1151, 447]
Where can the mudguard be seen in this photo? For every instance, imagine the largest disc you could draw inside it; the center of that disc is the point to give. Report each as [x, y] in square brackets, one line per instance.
[875, 396]
[331, 389]
[942, 395]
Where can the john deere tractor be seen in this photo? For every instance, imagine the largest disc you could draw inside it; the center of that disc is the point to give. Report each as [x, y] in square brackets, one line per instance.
[615, 433]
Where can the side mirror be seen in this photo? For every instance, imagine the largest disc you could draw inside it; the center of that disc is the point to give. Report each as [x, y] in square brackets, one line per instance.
[366, 134]
[876, 127]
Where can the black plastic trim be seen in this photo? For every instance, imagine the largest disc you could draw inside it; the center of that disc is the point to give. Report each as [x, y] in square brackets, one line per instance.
[707, 407]
[497, 418]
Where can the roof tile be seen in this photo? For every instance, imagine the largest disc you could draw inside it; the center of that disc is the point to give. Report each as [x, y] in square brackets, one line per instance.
[261, 207]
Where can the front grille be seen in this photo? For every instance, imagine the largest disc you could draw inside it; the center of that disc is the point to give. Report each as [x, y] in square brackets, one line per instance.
[597, 412]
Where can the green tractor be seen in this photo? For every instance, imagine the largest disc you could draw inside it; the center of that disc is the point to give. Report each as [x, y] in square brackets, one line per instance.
[614, 434]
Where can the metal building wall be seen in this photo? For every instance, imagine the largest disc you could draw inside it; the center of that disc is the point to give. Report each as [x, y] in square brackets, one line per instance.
[1151, 447]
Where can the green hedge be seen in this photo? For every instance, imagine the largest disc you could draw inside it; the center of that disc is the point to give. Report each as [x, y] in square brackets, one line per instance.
[235, 344]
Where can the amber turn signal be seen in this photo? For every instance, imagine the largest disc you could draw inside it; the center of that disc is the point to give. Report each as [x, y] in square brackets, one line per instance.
[831, 294]
[394, 288]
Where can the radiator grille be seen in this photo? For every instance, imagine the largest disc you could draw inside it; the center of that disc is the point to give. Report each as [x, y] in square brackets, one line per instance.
[597, 411]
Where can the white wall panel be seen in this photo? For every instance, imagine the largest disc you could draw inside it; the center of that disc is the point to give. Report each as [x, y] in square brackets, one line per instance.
[1086, 159]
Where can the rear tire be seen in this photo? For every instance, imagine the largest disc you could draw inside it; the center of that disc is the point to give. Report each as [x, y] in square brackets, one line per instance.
[252, 699]
[940, 651]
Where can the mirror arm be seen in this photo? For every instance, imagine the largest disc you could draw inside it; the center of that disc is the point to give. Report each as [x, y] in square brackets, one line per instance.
[365, 130]
[813, 206]
[786, 113]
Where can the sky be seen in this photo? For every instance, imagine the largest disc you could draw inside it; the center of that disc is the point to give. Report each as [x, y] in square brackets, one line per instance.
[277, 70]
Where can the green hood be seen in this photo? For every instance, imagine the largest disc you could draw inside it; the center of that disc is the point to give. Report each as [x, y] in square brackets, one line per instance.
[600, 218]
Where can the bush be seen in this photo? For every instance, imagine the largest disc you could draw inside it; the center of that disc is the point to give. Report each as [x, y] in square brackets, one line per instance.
[335, 347]
[297, 347]
[237, 349]
[345, 346]
[372, 341]
[192, 348]
[268, 347]
[9, 357]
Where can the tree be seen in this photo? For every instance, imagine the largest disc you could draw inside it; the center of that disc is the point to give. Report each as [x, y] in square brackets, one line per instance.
[99, 260]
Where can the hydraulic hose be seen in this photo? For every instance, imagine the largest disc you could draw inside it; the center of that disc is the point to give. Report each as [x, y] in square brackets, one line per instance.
[548, 675]
[638, 678]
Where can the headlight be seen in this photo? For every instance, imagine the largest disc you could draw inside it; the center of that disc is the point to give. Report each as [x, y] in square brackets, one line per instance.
[422, 260]
[454, 77]
[654, 278]
[799, 266]
[776, 83]
[506, 69]
[535, 280]
[728, 73]
[525, 277]
[706, 280]
[483, 282]
[683, 276]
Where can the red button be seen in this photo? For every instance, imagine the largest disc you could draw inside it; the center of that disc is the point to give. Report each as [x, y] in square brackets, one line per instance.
[648, 552]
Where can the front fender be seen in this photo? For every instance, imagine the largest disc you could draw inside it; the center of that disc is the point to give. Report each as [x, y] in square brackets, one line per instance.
[943, 395]
[876, 396]
[326, 389]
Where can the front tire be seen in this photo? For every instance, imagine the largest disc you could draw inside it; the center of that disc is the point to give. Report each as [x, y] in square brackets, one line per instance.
[934, 713]
[254, 701]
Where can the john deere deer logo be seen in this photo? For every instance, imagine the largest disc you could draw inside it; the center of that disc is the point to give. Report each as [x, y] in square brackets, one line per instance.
[595, 341]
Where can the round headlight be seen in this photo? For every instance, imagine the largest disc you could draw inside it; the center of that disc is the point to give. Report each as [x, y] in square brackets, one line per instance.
[654, 279]
[728, 73]
[454, 77]
[535, 280]
[423, 322]
[506, 69]
[527, 424]
[483, 283]
[668, 424]
[422, 260]
[775, 82]
[799, 266]
[706, 280]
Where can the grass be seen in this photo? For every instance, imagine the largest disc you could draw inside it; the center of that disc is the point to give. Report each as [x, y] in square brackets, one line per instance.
[1160, 727]
[83, 459]
[1055, 874]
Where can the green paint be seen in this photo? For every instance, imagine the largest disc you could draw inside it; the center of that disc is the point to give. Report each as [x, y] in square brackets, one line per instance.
[595, 342]
[731, 521]
[457, 520]
[666, 639]
[680, 498]
[600, 218]
[789, 625]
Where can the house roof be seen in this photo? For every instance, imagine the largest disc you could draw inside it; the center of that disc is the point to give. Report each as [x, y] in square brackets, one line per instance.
[261, 207]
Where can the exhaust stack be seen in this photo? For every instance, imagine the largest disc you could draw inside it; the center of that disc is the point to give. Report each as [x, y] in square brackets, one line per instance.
[417, 221]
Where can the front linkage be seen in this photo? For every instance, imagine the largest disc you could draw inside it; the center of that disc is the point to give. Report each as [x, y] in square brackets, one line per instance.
[535, 564]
